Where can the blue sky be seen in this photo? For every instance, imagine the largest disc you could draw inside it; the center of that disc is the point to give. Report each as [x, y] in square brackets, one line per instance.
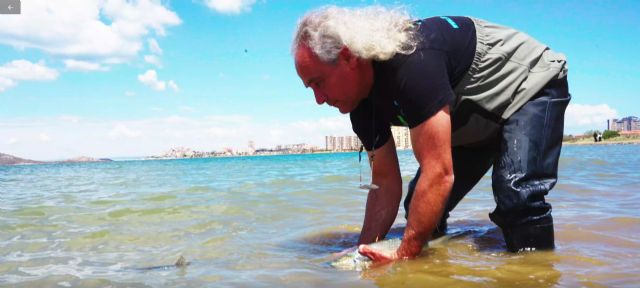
[116, 78]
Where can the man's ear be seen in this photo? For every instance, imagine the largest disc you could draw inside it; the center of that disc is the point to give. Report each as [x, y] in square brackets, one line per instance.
[348, 57]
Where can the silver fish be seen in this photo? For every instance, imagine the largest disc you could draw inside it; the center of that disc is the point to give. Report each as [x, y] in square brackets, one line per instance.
[353, 260]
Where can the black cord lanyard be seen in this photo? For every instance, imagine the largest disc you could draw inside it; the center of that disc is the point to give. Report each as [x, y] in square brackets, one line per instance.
[375, 136]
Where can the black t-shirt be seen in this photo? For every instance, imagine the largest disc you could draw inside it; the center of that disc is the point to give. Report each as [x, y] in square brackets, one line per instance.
[409, 89]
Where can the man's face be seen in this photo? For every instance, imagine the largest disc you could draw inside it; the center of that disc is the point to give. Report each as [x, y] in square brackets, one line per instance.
[341, 84]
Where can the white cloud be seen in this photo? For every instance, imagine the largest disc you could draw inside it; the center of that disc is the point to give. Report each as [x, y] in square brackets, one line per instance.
[44, 137]
[150, 78]
[221, 132]
[153, 59]
[154, 47]
[179, 120]
[230, 6]
[12, 141]
[23, 70]
[582, 117]
[339, 126]
[173, 86]
[276, 132]
[83, 66]
[129, 93]
[76, 28]
[6, 84]
[70, 118]
[154, 136]
[227, 120]
[121, 130]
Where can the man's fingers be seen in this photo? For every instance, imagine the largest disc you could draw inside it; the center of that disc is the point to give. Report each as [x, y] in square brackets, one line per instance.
[373, 254]
[365, 250]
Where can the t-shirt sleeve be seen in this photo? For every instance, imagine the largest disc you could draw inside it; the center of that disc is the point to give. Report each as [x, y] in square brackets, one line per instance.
[372, 134]
[423, 85]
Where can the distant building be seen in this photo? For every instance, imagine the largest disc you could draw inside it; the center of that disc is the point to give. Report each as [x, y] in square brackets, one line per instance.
[342, 143]
[401, 136]
[252, 147]
[179, 152]
[296, 148]
[630, 123]
[330, 143]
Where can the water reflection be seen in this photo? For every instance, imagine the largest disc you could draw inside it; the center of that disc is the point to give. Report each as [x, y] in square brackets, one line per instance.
[442, 268]
[476, 258]
[473, 255]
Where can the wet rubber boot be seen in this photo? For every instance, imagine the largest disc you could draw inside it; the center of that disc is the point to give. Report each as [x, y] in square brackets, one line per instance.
[530, 237]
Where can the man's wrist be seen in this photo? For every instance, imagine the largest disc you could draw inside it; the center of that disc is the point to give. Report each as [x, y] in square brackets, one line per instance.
[408, 250]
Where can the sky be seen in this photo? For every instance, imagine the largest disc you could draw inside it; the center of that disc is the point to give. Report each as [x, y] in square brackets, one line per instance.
[116, 78]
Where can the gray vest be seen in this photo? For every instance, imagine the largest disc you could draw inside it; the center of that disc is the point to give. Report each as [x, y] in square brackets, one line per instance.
[509, 68]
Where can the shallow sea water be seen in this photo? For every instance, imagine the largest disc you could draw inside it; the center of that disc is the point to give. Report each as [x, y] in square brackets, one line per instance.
[274, 221]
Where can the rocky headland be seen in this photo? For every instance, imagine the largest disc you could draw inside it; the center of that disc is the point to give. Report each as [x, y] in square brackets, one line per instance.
[6, 159]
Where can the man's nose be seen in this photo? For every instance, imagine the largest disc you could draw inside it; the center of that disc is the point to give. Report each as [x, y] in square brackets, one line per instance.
[320, 99]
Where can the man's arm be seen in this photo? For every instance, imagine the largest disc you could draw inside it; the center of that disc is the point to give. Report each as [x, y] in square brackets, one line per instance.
[431, 142]
[382, 203]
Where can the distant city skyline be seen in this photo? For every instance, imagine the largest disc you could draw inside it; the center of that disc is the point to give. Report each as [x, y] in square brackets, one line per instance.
[135, 78]
[401, 137]
[626, 124]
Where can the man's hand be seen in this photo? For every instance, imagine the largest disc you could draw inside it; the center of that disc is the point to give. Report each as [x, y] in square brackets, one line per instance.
[377, 256]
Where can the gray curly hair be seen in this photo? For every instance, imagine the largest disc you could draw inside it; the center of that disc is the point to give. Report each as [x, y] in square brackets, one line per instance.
[374, 32]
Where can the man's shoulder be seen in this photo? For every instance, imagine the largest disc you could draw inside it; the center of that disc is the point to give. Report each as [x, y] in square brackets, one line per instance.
[453, 22]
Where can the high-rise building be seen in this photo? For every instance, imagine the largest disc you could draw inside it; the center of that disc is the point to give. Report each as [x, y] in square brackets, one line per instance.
[401, 136]
[630, 123]
[330, 143]
[342, 143]
[252, 147]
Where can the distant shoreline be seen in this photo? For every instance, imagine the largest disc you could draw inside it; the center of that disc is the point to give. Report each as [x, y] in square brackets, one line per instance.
[8, 160]
[233, 156]
[255, 155]
[26, 162]
[604, 142]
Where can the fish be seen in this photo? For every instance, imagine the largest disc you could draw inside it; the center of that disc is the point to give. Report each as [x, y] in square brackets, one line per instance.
[180, 263]
[355, 261]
